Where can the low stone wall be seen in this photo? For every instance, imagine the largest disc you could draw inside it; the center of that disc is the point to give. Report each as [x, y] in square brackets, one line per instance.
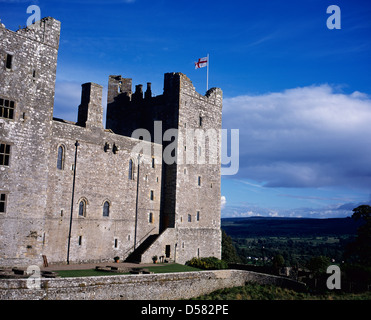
[167, 286]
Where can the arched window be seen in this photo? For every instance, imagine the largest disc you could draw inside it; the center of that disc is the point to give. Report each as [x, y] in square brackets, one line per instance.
[82, 208]
[60, 160]
[131, 176]
[106, 207]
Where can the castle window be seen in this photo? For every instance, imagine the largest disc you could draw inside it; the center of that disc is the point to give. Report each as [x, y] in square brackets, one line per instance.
[152, 196]
[150, 217]
[116, 242]
[80, 240]
[9, 61]
[153, 162]
[6, 109]
[60, 159]
[200, 121]
[189, 218]
[106, 208]
[131, 175]
[3, 197]
[199, 181]
[4, 154]
[82, 208]
[198, 216]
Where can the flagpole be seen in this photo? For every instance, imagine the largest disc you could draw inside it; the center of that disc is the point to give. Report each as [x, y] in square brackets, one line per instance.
[207, 76]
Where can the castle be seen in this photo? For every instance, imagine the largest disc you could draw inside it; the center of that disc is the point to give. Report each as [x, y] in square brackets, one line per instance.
[74, 192]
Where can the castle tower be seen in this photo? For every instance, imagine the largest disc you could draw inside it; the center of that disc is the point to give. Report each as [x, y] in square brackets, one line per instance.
[190, 220]
[28, 62]
[196, 214]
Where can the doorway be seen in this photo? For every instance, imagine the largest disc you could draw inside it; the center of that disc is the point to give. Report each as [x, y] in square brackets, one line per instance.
[167, 251]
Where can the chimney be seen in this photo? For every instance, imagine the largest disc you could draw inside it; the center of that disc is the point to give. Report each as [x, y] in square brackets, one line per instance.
[148, 93]
[138, 94]
[90, 113]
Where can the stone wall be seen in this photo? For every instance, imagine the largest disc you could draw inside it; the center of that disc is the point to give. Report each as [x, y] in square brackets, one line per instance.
[29, 82]
[101, 175]
[170, 286]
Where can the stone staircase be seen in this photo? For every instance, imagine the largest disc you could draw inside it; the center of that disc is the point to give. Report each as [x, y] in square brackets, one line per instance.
[136, 255]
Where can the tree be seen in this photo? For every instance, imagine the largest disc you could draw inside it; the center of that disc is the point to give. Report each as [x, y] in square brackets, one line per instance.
[359, 251]
[278, 262]
[318, 265]
[229, 253]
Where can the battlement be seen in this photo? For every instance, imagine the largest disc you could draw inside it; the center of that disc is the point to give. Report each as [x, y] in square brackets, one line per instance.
[128, 110]
[120, 89]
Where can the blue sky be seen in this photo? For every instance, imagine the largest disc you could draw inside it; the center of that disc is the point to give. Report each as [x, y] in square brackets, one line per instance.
[299, 93]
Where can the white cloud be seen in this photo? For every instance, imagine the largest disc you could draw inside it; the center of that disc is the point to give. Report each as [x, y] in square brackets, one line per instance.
[340, 210]
[223, 202]
[303, 137]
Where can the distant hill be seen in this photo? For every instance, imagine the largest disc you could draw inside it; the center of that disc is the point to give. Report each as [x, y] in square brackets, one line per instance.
[288, 227]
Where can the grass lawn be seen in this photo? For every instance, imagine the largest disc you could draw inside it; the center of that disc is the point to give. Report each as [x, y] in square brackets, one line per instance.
[85, 273]
[173, 267]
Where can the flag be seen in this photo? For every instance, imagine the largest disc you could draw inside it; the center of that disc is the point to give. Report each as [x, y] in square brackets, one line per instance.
[202, 62]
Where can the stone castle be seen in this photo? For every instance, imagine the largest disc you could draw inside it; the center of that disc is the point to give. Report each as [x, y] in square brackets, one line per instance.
[74, 192]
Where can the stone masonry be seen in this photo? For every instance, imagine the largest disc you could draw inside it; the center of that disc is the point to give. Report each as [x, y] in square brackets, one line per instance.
[124, 201]
[165, 286]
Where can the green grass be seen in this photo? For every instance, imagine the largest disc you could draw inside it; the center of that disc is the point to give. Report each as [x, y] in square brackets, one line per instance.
[85, 273]
[253, 291]
[173, 267]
